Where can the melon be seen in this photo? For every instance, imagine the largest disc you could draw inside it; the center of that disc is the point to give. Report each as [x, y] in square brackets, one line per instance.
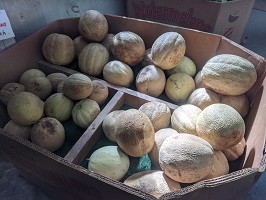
[168, 50]
[229, 74]
[58, 49]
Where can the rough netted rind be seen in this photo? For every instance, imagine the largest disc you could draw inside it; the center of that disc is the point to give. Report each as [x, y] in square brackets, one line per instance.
[229, 74]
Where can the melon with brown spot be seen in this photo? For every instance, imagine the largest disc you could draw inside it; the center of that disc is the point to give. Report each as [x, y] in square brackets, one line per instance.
[229, 74]
[168, 49]
[93, 26]
[48, 133]
[134, 133]
[128, 47]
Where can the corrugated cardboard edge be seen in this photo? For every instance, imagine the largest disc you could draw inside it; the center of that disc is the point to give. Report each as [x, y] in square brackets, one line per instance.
[202, 185]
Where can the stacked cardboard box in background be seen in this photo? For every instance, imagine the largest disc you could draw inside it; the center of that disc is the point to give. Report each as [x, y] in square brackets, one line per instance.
[224, 18]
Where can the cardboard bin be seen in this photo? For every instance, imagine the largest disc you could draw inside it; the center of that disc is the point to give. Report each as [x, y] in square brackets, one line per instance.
[228, 18]
[64, 176]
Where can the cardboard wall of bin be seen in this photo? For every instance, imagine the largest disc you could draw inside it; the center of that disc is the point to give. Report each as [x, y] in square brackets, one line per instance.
[228, 19]
[64, 178]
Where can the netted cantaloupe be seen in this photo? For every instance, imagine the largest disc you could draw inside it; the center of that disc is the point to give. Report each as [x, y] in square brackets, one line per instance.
[229, 74]
[25, 108]
[236, 151]
[238, 102]
[55, 79]
[79, 43]
[221, 125]
[151, 80]
[160, 136]
[58, 49]
[100, 92]
[40, 86]
[186, 158]
[26, 75]
[153, 182]
[168, 49]
[9, 90]
[128, 47]
[92, 59]
[134, 133]
[159, 114]
[107, 42]
[184, 118]
[203, 97]
[93, 26]
[58, 106]
[109, 124]
[18, 130]
[77, 86]
[118, 73]
[48, 133]
[84, 112]
[220, 165]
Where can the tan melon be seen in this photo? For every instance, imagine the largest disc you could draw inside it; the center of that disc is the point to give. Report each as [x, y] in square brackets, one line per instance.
[118, 73]
[168, 49]
[203, 97]
[92, 59]
[229, 74]
[236, 151]
[128, 47]
[40, 86]
[85, 112]
[93, 26]
[221, 125]
[9, 90]
[100, 92]
[151, 80]
[107, 42]
[153, 182]
[220, 165]
[18, 130]
[186, 158]
[79, 43]
[25, 108]
[158, 113]
[198, 81]
[160, 136]
[147, 60]
[77, 86]
[109, 124]
[184, 118]
[58, 106]
[48, 133]
[179, 86]
[26, 75]
[185, 65]
[55, 79]
[238, 102]
[58, 49]
[135, 125]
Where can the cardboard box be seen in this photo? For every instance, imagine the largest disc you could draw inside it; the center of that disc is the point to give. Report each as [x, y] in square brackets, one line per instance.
[228, 19]
[64, 177]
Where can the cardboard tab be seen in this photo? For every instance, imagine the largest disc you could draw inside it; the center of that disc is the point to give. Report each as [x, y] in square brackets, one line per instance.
[6, 31]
